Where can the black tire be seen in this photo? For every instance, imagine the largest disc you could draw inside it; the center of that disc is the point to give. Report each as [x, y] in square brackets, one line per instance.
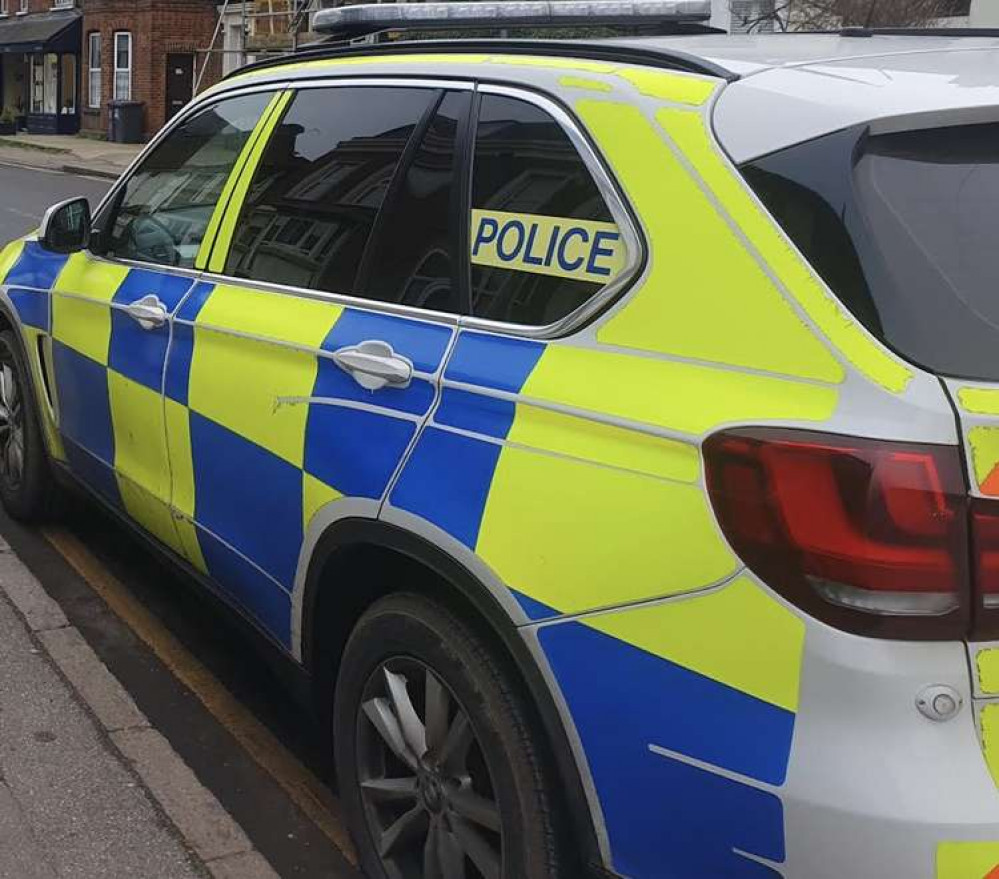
[497, 794]
[28, 491]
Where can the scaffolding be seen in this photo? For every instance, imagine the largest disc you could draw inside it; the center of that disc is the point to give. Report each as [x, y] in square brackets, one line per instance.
[266, 27]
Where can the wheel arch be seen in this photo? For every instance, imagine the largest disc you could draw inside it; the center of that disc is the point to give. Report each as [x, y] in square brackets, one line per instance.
[387, 551]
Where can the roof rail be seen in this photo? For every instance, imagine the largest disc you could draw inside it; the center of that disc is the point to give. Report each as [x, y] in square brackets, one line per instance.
[666, 58]
[916, 32]
[347, 22]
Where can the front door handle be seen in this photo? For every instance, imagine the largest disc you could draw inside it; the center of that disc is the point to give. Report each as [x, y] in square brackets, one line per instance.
[374, 365]
[148, 312]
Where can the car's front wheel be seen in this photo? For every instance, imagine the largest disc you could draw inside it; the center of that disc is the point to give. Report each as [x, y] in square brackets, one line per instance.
[440, 771]
[27, 488]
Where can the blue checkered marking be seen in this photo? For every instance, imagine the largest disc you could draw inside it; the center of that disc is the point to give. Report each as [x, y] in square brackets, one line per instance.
[134, 352]
[92, 472]
[498, 362]
[36, 267]
[446, 481]
[475, 412]
[447, 478]
[84, 401]
[32, 307]
[666, 818]
[248, 586]
[178, 375]
[247, 496]
[354, 450]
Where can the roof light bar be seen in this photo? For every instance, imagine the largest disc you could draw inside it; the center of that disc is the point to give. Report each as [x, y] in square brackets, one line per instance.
[370, 18]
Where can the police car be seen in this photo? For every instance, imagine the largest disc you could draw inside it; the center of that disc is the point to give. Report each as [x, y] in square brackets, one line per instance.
[606, 430]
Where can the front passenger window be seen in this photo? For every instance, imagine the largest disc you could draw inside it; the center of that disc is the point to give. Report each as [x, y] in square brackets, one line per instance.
[161, 214]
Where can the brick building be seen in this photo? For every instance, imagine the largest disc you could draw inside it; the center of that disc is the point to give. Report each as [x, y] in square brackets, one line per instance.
[63, 61]
[143, 50]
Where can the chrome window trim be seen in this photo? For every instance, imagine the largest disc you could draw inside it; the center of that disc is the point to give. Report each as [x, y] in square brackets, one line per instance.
[623, 217]
[606, 185]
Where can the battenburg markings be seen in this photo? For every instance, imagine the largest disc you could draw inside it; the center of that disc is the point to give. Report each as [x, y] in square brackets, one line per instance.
[580, 249]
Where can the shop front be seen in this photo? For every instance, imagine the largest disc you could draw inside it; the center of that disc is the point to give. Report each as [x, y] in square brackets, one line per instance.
[40, 70]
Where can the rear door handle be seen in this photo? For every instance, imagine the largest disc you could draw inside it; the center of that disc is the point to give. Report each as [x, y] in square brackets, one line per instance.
[148, 312]
[374, 365]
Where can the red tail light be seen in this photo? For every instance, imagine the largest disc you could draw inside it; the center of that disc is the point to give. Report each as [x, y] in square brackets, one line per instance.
[985, 554]
[868, 536]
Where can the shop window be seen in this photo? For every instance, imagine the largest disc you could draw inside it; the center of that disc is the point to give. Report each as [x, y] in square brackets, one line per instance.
[94, 82]
[122, 66]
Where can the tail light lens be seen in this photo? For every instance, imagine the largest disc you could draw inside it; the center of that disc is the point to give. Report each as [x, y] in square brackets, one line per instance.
[985, 553]
[868, 536]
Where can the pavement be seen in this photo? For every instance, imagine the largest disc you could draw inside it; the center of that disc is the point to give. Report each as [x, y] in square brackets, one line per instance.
[87, 787]
[70, 154]
[179, 750]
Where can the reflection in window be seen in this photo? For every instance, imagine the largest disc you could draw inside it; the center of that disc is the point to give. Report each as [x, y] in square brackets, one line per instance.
[164, 209]
[321, 182]
[525, 164]
[411, 261]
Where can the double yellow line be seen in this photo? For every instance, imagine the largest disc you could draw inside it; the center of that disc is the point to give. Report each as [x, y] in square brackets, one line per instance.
[301, 785]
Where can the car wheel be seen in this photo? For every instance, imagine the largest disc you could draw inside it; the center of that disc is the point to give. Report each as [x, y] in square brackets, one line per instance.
[27, 488]
[439, 769]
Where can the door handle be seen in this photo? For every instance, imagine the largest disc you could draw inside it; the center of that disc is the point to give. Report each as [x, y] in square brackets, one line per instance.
[374, 365]
[148, 312]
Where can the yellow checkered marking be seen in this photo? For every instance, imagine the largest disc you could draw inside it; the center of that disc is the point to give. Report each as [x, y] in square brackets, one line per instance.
[81, 313]
[737, 635]
[273, 368]
[967, 860]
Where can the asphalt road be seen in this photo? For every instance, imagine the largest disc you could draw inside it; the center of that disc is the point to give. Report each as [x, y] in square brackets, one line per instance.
[25, 194]
[196, 674]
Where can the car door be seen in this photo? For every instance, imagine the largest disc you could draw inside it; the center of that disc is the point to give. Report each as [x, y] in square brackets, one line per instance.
[112, 307]
[308, 358]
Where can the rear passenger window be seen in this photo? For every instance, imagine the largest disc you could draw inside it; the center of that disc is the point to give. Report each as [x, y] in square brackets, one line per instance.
[543, 239]
[315, 197]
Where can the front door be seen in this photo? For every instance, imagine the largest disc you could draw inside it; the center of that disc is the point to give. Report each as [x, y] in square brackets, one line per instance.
[299, 402]
[179, 82]
[112, 310]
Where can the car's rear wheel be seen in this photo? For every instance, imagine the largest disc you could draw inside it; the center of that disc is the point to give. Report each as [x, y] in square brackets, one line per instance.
[27, 488]
[439, 769]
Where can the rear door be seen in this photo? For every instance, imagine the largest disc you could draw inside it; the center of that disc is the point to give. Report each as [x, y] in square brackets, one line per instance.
[305, 363]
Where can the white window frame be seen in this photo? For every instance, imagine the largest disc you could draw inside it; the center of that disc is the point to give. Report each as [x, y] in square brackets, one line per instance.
[63, 4]
[118, 71]
[4, 7]
[95, 77]
[23, 7]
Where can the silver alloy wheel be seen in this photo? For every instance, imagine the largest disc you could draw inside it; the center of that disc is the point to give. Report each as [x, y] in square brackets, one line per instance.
[427, 791]
[11, 427]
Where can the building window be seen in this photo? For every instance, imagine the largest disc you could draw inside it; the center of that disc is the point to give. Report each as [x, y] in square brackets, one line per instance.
[94, 83]
[4, 7]
[37, 84]
[122, 66]
[23, 7]
[63, 4]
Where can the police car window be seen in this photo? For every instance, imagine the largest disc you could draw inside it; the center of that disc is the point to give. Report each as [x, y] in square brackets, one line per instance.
[161, 214]
[320, 184]
[543, 240]
[412, 256]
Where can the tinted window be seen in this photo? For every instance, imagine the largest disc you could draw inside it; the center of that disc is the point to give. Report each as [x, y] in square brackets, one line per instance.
[324, 176]
[543, 240]
[902, 228]
[161, 214]
[412, 258]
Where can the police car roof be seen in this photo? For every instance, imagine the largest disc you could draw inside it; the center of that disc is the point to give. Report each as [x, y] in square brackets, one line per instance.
[795, 87]
[785, 88]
